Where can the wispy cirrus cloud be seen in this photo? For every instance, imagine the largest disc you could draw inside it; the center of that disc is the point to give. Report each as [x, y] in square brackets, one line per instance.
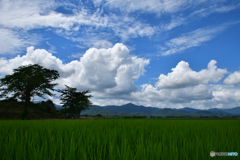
[192, 39]
[40, 14]
[84, 25]
[12, 42]
[87, 25]
[206, 11]
[152, 6]
[199, 13]
[160, 7]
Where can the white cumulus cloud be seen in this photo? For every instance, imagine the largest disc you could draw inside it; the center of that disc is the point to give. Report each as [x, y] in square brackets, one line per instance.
[38, 56]
[180, 95]
[183, 76]
[233, 78]
[226, 96]
[109, 71]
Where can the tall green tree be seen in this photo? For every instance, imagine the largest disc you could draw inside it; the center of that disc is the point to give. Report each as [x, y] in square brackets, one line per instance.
[27, 81]
[74, 101]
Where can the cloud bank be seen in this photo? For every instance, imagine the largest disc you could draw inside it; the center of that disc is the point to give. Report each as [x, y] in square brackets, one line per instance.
[109, 71]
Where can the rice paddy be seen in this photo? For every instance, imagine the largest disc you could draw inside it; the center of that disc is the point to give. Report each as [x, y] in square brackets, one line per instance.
[118, 139]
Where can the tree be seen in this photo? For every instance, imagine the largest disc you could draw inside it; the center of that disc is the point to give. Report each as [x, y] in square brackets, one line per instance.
[74, 100]
[27, 81]
[48, 104]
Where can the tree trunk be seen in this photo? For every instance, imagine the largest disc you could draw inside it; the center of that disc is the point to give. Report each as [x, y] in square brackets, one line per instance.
[79, 114]
[26, 105]
[27, 99]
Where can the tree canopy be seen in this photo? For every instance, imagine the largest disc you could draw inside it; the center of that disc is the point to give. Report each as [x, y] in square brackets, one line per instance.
[27, 81]
[74, 100]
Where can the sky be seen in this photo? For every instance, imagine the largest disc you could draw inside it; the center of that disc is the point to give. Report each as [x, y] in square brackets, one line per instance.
[158, 53]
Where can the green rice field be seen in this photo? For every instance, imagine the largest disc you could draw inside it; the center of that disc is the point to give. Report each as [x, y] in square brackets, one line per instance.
[118, 139]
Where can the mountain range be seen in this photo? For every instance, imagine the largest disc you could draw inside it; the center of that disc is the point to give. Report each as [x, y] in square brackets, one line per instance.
[135, 110]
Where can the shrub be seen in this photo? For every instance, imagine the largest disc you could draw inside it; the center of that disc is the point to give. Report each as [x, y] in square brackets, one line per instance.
[25, 114]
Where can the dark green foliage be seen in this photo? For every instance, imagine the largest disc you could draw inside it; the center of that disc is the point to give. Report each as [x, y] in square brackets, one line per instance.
[98, 115]
[74, 101]
[25, 114]
[49, 105]
[15, 110]
[27, 81]
[11, 99]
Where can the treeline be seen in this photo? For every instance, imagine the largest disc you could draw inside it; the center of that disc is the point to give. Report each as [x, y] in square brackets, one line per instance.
[35, 80]
[171, 117]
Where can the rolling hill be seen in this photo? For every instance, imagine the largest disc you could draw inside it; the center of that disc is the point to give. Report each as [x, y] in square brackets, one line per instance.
[135, 110]
[12, 110]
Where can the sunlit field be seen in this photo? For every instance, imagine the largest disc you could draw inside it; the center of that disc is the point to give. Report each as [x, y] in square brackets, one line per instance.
[118, 139]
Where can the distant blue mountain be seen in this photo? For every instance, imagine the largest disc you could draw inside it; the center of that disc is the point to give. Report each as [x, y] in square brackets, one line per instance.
[135, 110]
[234, 111]
[204, 113]
[188, 110]
[169, 112]
[131, 108]
[219, 111]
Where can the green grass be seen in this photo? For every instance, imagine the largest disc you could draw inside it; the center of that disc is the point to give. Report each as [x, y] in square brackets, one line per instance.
[118, 139]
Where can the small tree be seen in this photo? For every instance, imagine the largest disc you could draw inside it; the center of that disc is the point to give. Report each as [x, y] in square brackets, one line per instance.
[75, 101]
[49, 104]
[27, 81]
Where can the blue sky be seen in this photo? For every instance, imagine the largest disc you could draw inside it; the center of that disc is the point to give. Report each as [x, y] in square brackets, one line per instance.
[159, 53]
